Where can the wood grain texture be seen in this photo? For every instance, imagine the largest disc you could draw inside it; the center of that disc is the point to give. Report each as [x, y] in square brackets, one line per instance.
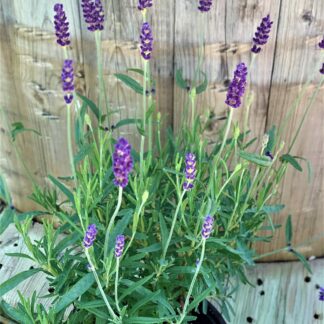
[30, 67]
[286, 297]
[304, 200]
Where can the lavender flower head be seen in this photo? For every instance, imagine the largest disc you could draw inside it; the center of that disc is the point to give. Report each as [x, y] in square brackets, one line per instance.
[262, 34]
[122, 162]
[67, 80]
[119, 247]
[143, 4]
[146, 41]
[90, 236]
[237, 86]
[207, 227]
[205, 5]
[321, 43]
[61, 26]
[93, 14]
[322, 69]
[321, 294]
[190, 171]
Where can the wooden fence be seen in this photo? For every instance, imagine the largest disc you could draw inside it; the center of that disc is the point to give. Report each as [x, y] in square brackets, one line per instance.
[30, 66]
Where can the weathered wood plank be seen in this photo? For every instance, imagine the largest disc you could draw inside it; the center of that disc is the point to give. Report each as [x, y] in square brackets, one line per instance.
[296, 60]
[284, 297]
[30, 63]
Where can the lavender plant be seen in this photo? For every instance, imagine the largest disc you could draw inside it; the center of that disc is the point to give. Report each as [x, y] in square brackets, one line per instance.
[150, 235]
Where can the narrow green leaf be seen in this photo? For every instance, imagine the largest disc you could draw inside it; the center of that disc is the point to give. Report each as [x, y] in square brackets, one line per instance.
[134, 285]
[6, 218]
[179, 79]
[291, 160]
[288, 230]
[15, 313]
[139, 71]
[16, 280]
[303, 260]
[256, 159]
[149, 298]
[20, 255]
[128, 121]
[83, 152]
[272, 138]
[18, 128]
[130, 82]
[164, 230]
[4, 192]
[93, 107]
[152, 248]
[63, 188]
[203, 86]
[144, 320]
[75, 292]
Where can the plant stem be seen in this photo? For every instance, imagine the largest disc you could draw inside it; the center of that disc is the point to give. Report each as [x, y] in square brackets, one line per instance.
[228, 125]
[112, 220]
[116, 285]
[144, 123]
[69, 135]
[202, 255]
[111, 312]
[173, 225]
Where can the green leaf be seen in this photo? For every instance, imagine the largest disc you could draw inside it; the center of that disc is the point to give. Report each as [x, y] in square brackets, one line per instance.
[15, 313]
[263, 161]
[143, 301]
[128, 121]
[18, 128]
[84, 151]
[272, 137]
[179, 79]
[20, 255]
[291, 160]
[4, 193]
[6, 218]
[63, 188]
[288, 230]
[75, 292]
[303, 260]
[91, 105]
[164, 230]
[133, 286]
[152, 248]
[16, 280]
[139, 71]
[144, 320]
[130, 82]
[202, 87]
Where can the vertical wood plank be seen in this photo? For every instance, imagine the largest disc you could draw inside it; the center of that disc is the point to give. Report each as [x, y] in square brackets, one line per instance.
[30, 62]
[297, 56]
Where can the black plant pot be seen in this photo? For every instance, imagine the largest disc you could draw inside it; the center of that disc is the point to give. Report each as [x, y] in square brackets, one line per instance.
[212, 315]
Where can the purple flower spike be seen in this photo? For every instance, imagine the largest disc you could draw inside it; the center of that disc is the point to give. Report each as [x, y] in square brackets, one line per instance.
[93, 14]
[61, 26]
[67, 80]
[205, 5]
[119, 247]
[262, 34]
[322, 69]
[321, 44]
[207, 227]
[321, 294]
[237, 86]
[190, 171]
[143, 4]
[122, 162]
[90, 236]
[146, 41]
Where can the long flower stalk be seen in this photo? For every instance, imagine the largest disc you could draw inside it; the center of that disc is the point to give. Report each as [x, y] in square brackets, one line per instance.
[112, 220]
